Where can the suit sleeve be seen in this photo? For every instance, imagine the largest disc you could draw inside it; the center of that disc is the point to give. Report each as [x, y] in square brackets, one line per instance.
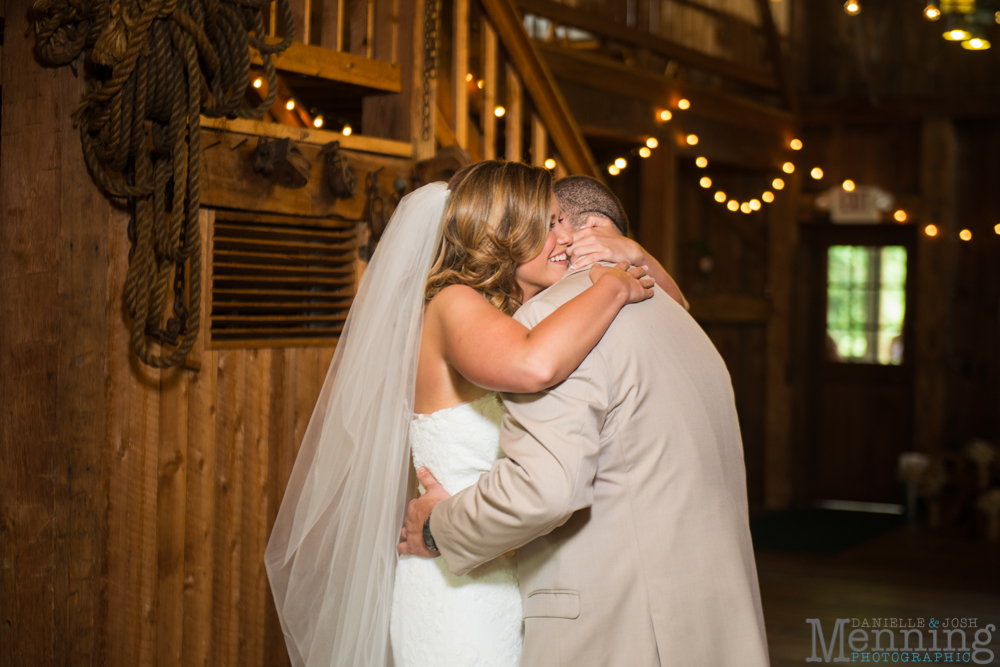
[551, 440]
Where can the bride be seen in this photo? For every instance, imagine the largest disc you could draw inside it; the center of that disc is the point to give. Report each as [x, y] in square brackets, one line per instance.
[428, 343]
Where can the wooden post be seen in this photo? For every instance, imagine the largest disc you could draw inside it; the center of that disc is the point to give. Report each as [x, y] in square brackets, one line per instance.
[933, 280]
[331, 35]
[657, 230]
[514, 122]
[782, 242]
[539, 142]
[389, 116]
[301, 10]
[460, 67]
[423, 109]
[489, 74]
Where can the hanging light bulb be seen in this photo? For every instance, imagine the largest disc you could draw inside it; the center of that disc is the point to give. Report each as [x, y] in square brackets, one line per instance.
[258, 82]
[849, 185]
[965, 235]
[720, 197]
[666, 115]
[705, 182]
[755, 204]
[468, 77]
[621, 163]
[550, 164]
[683, 104]
[692, 139]
[899, 216]
[778, 184]
[499, 111]
[795, 144]
[816, 173]
[745, 207]
[932, 13]
[347, 131]
[645, 152]
[996, 228]
[290, 104]
[956, 35]
[852, 7]
[613, 170]
[702, 162]
[479, 84]
[652, 142]
[976, 44]
[931, 230]
[788, 168]
[733, 205]
[768, 196]
[318, 121]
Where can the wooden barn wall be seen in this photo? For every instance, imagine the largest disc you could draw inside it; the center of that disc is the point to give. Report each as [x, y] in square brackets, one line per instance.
[136, 502]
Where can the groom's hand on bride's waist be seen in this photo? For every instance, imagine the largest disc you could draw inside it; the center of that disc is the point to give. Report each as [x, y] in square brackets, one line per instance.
[412, 541]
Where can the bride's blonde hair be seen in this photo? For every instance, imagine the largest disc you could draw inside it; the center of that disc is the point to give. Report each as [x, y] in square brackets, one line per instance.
[497, 218]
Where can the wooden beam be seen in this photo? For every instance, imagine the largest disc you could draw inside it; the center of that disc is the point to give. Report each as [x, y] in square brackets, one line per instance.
[422, 115]
[489, 74]
[620, 79]
[460, 67]
[309, 136]
[545, 95]
[442, 131]
[331, 36]
[777, 56]
[599, 25]
[730, 309]
[539, 142]
[514, 118]
[337, 66]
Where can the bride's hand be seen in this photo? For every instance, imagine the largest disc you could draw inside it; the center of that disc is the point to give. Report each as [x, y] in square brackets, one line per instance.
[598, 241]
[638, 286]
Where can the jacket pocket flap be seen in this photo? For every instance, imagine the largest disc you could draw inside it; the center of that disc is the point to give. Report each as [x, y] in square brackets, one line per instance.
[552, 604]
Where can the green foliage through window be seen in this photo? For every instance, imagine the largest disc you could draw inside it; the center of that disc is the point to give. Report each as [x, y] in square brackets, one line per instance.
[866, 303]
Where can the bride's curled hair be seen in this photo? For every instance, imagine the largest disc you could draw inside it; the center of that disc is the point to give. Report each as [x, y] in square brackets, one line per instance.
[497, 218]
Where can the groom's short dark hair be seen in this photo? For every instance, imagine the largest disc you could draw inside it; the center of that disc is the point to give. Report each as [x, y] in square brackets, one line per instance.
[581, 196]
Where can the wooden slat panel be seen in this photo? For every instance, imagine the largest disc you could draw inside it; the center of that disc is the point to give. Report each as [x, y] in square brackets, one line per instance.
[337, 66]
[301, 10]
[332, 32]
[267, 306]
[281, 247]
[256, 332]
[460, 67]
[514, 118]
[539, 142]
[222, 268]
[489, 74]
[309, 136]
[279, 319]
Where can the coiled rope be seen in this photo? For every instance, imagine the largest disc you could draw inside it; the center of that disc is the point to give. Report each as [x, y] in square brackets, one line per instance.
[152, 67]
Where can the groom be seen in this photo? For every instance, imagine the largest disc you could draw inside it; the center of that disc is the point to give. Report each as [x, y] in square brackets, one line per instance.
[623, 490]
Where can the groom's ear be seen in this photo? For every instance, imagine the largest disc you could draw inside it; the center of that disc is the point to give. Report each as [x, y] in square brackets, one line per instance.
[595, 220]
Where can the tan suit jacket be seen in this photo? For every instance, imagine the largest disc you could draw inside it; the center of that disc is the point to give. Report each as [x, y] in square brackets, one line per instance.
[624, 491]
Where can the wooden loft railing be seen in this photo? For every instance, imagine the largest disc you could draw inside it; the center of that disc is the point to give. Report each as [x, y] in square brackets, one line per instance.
[502, 69]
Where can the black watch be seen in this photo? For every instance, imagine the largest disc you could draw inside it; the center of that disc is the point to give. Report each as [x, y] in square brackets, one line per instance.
[428, 538]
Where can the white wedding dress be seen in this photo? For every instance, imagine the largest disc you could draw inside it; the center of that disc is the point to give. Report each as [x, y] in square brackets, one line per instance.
[439, 619]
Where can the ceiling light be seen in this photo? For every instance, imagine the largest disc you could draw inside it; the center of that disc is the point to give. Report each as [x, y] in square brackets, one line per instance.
[795, 144]
[965, 235]
[705, 182]
[976, 44]
[778, 184]
[720, 197]
[932, 13]
[613, 170]
[755, 204]
[768, 196]
[290, 104]
[900, 215]
[852, 7]
[816, 173]
[788, 168]
[621, 163]
[258, 82]
[652, 142]
[499, 111]
[931, 230]
[645, 152]
[683, 104]
[550, 164]
[849, 185]
[745, 207]
[318, 121]
[733, 205]
[702, 162]
[956, 35]
[665, 115]
[347, 131]
[692, 140]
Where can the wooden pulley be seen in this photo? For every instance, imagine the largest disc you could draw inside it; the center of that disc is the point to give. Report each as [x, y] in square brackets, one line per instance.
[282, 163]
[341, 177]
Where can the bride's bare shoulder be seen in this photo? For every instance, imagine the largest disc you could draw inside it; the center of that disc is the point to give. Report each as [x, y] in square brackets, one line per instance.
[456, 296]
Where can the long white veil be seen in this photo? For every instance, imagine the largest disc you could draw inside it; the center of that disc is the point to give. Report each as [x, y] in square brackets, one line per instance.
[331, 557]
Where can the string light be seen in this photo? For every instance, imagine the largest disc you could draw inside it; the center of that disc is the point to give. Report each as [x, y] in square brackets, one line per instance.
[720, 197]
[976, 44]
[499, 111]
[468, 77]
[702, 162]
[665, 115]
[652, 142]
[932, 13]
[621, 163]
[347, 131]
[852, 7]
[733, 205]
[956, 35]
[290, 104]
[931, 230]
[997, 228]
[613, 170]
[965, 235]
[755, 204]
[899, 216]
[550, 164]
[745, 207]
[645, 152]
[683, 104]
[788, 168]
[258, 82]
[778, 184]
[996, 17]
[479, 84]
[816, 173]
[692, 139]
[849, 185]
[795, 144]
[705, 182]
[768, 196]
[318, 121]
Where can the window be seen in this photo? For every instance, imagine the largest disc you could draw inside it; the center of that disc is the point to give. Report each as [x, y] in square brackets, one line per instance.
[866, 304]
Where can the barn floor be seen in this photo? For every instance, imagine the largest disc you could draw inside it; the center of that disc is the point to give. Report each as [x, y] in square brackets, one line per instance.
[908, 573]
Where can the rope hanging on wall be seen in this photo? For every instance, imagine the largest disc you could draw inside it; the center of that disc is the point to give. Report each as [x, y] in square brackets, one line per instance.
[152, 67]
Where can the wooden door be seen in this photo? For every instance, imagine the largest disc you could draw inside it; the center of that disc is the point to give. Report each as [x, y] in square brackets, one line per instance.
[856, 351]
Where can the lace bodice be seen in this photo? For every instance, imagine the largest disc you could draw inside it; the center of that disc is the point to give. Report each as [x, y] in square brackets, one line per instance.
[460, 443]
[440, 619]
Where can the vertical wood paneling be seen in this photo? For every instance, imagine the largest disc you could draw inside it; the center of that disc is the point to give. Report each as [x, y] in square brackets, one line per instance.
[460, 67]
[514, 119]
[332, 31]
[302, 15]
[489, 75]
[657, 228]
[539, 142]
